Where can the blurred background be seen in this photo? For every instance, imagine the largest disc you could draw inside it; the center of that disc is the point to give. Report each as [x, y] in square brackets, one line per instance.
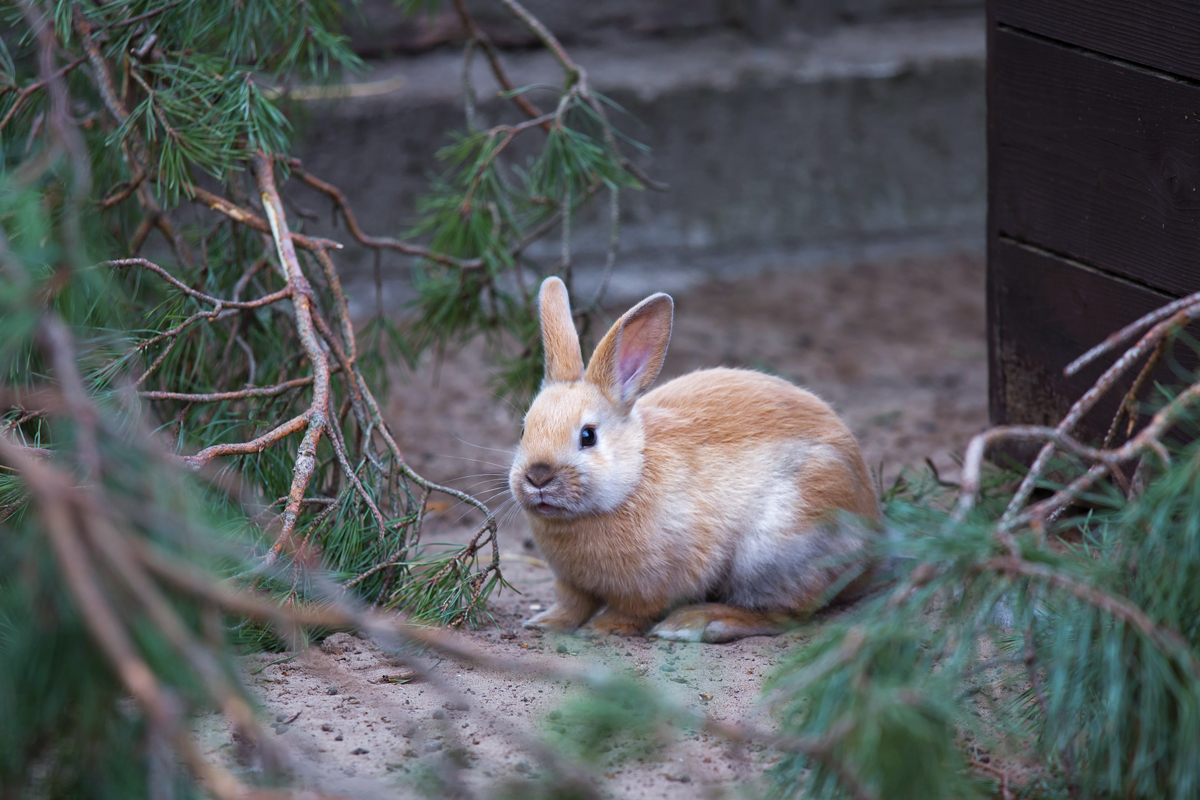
[785, 131]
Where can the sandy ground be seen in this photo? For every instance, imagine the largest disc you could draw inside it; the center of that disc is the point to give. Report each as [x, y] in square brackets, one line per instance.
[897, 347]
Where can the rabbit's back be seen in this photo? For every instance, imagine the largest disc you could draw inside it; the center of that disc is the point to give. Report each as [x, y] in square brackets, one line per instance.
[720, 425]
[750, 470]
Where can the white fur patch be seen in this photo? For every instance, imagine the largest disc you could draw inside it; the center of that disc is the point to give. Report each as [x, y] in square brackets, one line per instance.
[676, 634]
[772, 548]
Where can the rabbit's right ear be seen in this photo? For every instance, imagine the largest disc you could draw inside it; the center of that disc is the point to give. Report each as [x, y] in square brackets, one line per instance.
[630, 355]
[564, 360]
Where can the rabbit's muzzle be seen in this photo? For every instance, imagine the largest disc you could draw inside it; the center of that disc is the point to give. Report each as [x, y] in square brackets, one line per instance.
[549, 491]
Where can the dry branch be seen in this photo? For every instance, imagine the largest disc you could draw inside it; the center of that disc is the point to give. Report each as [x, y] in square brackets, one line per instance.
[489, 50]
[1103, 384]
[375, 242]
[257, 445]
[1166, 322]
[215, 301]
[24, 94]
[252, 220]
[217, 397]
[302, 301]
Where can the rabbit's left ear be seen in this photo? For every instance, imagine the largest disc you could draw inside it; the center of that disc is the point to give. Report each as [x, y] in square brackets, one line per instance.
[631, 354]
[564, 361]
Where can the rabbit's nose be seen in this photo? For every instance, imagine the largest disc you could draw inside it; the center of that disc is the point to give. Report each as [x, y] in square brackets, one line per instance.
[539, 475]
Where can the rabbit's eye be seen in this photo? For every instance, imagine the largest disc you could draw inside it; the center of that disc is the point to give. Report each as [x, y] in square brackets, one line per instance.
[587, 437]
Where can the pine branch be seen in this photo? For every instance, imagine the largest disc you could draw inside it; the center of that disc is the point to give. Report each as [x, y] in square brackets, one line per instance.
[25, 93]
[501, 75]
[317, 417]
[375, 242]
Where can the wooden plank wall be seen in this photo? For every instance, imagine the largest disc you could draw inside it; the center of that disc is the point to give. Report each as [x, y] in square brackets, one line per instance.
[1094, 188]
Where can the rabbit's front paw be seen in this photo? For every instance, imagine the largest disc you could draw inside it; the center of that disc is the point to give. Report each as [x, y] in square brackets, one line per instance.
[611, 623]
[554, 619]
[715, 623]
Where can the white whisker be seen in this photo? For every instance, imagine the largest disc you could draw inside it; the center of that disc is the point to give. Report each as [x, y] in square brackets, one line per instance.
[481, 447]
[473, 460]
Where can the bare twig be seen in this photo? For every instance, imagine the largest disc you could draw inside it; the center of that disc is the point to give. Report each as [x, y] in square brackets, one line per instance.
[122, 191]
[241, 394]
[183, 287]
[376, 242]
[547, 38]
[1089, 399]
[1131, 330]
[293, 425]
[24, 94]
[317, 417]
[1129, 402]
[469, 98]
[252, 220]
[493, 58]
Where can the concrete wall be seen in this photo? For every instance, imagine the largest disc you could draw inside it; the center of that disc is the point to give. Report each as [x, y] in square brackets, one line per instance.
[854, 135]
[377, 29]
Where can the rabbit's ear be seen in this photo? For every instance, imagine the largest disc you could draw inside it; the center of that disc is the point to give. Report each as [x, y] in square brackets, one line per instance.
[564, 361]
[630, 355]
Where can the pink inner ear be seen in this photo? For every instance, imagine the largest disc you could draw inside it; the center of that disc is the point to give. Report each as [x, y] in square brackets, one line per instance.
[632, 360]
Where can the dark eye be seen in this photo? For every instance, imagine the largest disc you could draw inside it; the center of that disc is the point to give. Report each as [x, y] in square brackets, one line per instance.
[587, 436]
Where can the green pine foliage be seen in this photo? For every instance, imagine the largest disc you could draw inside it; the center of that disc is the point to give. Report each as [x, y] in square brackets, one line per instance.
[1079, 670]
[484, 210]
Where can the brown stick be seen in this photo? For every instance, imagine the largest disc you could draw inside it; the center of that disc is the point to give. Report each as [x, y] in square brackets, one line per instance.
[489, 50]
[1129, 401]
[317, 416]
[376, 242]
[340, 306]
[1129, 330]
[252, 220]
[547, 38]
[257, 445]
[133, 147]
[120, 195]
[33, 87]
[183, 287]
[241, 394]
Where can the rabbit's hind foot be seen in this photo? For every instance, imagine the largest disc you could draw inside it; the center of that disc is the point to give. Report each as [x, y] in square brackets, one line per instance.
[715, 623]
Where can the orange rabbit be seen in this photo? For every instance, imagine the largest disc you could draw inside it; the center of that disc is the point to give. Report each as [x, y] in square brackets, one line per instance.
[710, 501]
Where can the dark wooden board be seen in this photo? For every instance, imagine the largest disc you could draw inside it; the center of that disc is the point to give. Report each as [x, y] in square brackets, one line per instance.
[1163, 34]
[1095, 160]
[1046, 312]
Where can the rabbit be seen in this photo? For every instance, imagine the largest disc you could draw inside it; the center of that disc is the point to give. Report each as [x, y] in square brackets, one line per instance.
[705, 510]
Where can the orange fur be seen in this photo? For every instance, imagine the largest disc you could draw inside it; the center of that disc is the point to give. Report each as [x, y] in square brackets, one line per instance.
[719, 485]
